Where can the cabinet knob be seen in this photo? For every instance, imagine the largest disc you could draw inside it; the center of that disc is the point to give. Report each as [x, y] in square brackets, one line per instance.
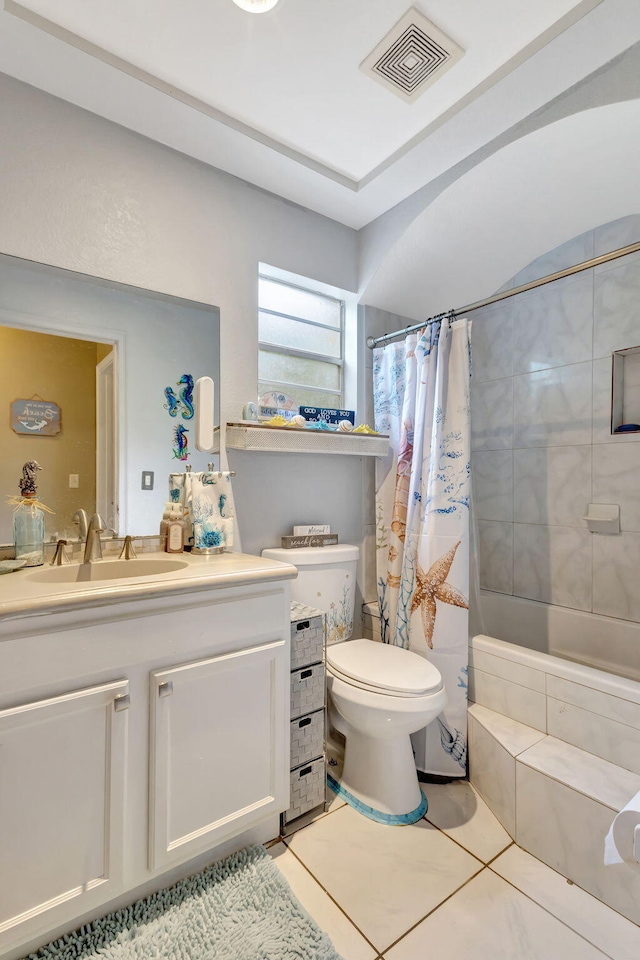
[165, 689]
[121, 703]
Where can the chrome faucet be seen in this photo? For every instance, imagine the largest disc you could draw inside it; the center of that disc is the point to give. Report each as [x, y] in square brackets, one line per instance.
[93, 546]
[80, 517]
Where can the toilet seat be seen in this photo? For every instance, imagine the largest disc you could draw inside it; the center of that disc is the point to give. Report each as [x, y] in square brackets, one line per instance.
[383, 669]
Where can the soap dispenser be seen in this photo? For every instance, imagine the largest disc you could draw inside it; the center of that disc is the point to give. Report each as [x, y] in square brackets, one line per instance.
[175, 531]
[28, 519]
[168, 511]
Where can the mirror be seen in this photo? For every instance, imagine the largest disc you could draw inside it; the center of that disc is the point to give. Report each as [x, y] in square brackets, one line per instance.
[102, 353]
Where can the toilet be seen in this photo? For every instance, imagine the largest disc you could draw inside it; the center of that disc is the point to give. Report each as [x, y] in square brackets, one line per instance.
[378, 694]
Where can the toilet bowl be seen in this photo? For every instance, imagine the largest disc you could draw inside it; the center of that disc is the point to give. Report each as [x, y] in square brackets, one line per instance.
[378, 696]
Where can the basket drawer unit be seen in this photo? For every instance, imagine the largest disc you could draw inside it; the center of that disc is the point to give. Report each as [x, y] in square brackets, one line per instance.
[307, 788]
[307, 738]
[307, 636]
[307, 690]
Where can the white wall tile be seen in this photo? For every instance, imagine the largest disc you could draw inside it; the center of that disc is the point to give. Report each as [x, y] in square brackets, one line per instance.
[552, 564]
[612, 236]
[590, 775]
[510, 699]
[616, 562]
[613, 741]
[566, 255]
[606, 704]
[616, 479]
[552, 485]
[492, 475]
[616, 317]
[492, 773]
[508, 670]
[552, 325]
[566, 830]
[513, 736]
[553, 407]
[492, 342]
[492, 415]
[495, 544]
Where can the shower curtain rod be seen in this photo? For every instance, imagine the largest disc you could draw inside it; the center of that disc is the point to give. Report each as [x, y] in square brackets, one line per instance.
[585, 265]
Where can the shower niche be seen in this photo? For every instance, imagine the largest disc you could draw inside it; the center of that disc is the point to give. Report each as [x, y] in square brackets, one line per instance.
[625, 392]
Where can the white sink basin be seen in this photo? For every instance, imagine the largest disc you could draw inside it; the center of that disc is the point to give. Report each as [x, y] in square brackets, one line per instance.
[100, 570]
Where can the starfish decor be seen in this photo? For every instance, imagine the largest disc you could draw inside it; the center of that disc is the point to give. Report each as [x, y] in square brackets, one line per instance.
[432, 586]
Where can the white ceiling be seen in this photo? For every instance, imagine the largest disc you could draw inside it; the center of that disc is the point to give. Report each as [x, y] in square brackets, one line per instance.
[278, 99]
[578, 173]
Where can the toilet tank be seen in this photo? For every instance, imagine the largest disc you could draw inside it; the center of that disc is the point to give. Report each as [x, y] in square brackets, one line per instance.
[327, 581]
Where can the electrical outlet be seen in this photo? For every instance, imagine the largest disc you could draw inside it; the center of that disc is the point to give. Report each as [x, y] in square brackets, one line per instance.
[74, 481]
[147, 479]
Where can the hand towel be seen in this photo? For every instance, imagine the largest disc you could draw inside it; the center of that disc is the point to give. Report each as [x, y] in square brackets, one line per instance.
[210, 503]
[177, 488]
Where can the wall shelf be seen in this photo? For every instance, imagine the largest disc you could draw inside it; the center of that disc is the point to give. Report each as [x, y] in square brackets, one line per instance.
[248, 435]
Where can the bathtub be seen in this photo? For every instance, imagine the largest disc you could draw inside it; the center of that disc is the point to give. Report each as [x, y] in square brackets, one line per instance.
[604, 643]
[557, 777]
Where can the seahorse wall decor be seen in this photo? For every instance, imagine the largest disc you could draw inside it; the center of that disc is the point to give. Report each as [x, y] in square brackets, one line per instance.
[181, 443]
[184, 401]
[172, 403]
[186, 395]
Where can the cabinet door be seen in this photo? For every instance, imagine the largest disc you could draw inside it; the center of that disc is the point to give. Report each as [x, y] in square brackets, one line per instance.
[219, 749]
[61, 807]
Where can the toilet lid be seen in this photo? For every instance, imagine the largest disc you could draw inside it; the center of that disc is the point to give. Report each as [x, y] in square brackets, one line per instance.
[384, 667]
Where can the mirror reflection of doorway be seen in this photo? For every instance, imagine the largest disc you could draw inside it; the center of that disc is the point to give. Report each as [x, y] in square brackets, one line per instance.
[106, 437]
[80, 462]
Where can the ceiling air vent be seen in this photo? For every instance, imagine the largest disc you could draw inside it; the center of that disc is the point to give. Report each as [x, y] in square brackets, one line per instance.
[412, 56]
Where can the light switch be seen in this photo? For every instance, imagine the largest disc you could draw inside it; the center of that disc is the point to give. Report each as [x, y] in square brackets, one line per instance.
[147, 479]
[74, 481]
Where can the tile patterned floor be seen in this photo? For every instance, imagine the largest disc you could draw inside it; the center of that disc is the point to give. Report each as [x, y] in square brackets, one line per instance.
[450, 884]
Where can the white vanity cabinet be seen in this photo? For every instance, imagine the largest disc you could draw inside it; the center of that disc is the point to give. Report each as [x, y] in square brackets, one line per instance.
[62, 778]
[137, 735]
[217, 749]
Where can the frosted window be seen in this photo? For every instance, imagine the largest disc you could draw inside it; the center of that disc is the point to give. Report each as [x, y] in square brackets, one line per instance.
[302, 396]
[304, 304]
[300, 370]
[300, 344]
[301, 336]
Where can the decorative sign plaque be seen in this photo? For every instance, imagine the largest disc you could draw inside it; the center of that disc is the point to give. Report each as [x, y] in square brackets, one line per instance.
[327, 414]
[40, 418]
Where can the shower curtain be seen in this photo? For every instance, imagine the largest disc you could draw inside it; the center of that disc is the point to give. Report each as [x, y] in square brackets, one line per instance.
[423, 489]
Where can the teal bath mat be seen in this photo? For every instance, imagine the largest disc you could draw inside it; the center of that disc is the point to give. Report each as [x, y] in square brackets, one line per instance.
[238, 909]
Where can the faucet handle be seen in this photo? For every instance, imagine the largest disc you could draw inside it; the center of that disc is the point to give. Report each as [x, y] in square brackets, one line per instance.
[128, 551]
[60, 555]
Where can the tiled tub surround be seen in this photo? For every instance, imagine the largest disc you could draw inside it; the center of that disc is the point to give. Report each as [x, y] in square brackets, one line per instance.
[542, 446]
[606, 643]
[555, 753]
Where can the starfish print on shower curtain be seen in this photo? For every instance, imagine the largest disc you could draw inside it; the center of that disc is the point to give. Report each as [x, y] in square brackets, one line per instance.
[432, 586]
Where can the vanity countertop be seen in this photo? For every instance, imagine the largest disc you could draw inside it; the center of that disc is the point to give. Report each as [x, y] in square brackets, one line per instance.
[24, 594]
